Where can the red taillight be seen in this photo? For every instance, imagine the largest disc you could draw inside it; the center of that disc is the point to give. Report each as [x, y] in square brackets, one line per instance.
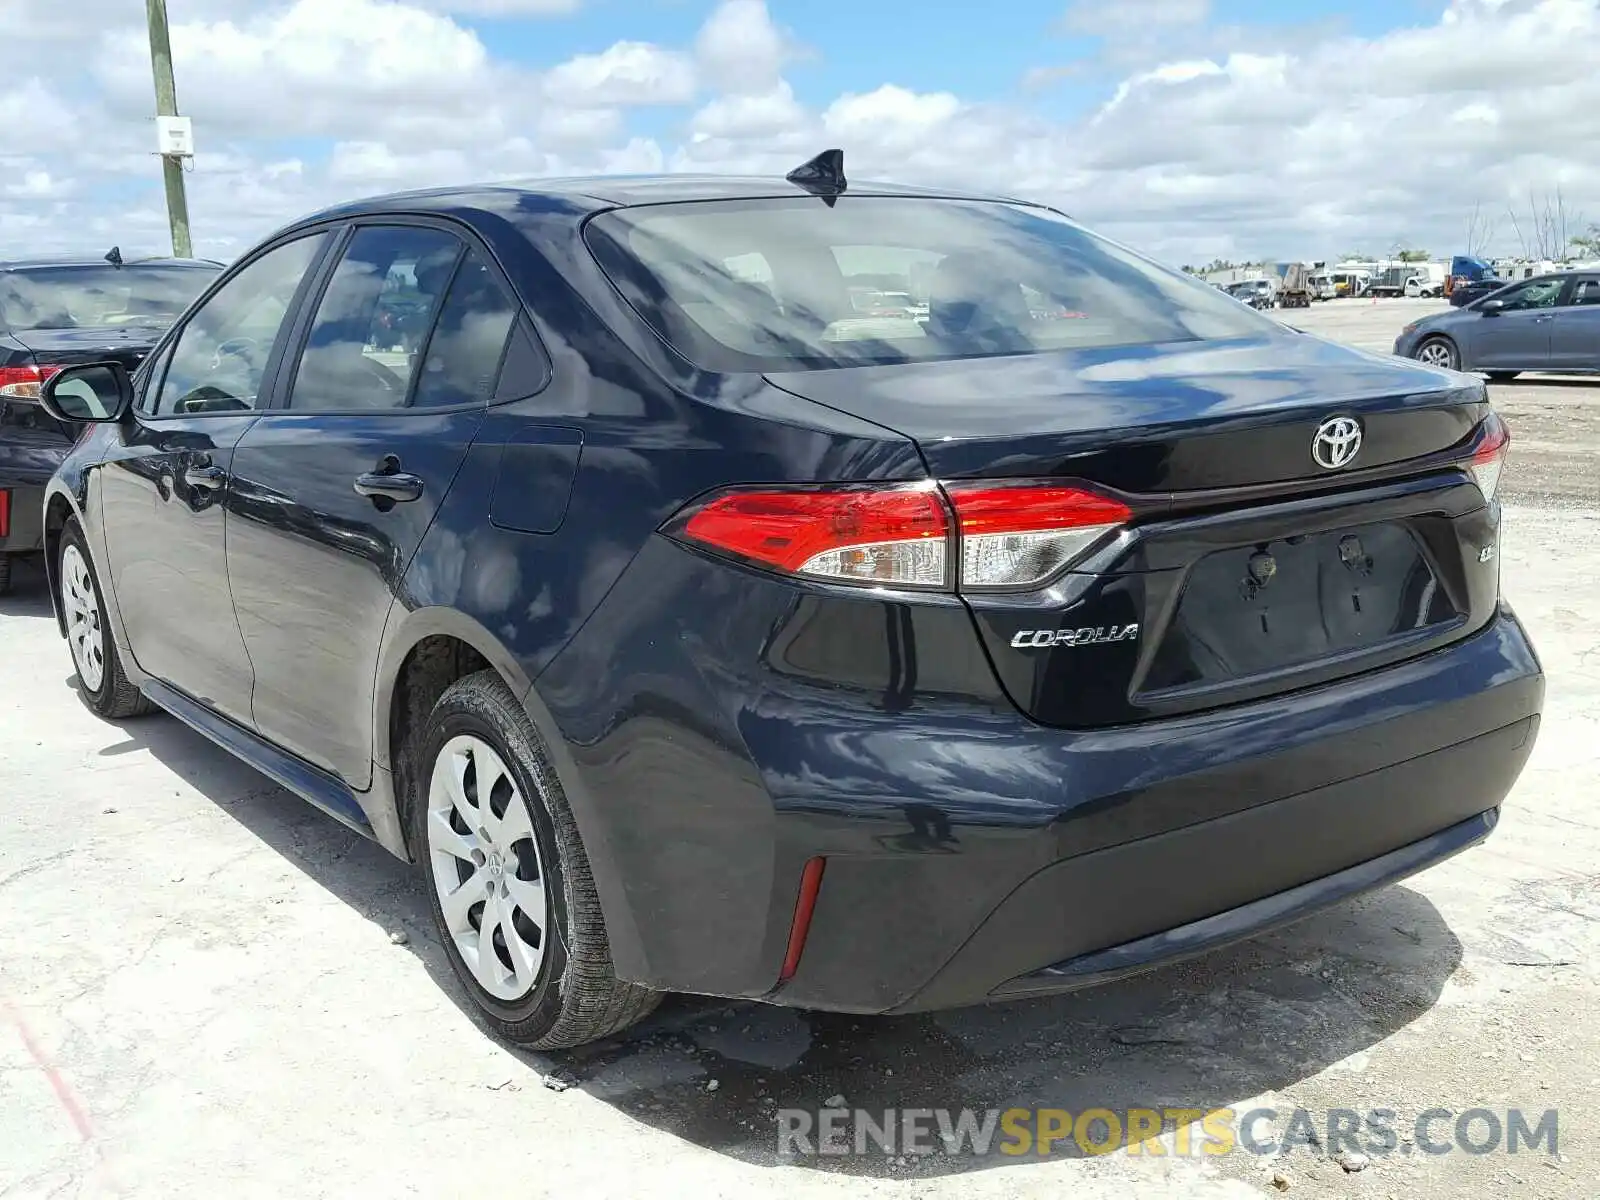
[5, 513]
[894, 536]
[1490, 457]
[1009, 535]
[22, 383]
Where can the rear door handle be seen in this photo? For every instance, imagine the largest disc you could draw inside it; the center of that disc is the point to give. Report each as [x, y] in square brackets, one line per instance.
[210, 478]
[389, 485]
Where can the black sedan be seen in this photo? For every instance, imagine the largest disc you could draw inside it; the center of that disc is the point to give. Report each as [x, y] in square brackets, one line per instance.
[54, 312]
[694, 631]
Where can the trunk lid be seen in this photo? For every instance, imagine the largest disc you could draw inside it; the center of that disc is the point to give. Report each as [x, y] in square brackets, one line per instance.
[1154, 419]
[126, 344]
[1249, 568]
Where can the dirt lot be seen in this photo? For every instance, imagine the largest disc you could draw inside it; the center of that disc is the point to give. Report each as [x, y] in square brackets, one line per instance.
[207, 988]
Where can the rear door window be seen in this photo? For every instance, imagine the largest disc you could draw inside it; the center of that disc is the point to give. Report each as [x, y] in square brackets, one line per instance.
[374, 318]
[1586, 292]
[780, 284]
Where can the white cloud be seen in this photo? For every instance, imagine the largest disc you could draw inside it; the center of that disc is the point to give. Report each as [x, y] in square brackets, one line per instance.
[753, 115]
[312, 68]
[627, 73]
[741, 50]
[36, 184]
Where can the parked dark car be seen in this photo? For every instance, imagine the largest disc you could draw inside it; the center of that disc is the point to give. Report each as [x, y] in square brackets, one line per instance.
[692, 634]
[1467, 291]
[59, 311]
[1257, 293]
[1548, 323]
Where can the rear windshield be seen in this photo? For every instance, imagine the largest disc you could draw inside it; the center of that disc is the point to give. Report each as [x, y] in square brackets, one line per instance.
[762, 285]
[93, 296]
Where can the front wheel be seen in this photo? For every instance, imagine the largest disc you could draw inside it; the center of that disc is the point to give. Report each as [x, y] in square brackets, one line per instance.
[1439, 352]
[102, 682]
[510, 887]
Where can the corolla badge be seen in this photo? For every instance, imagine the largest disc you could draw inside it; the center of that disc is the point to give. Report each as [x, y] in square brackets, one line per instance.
[1038, 639]
[1336, 442]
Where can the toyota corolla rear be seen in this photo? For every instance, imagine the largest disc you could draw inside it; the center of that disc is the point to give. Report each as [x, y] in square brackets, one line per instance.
[1175, 625]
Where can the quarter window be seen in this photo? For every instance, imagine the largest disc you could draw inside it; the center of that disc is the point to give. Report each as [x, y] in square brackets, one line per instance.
[463, 355]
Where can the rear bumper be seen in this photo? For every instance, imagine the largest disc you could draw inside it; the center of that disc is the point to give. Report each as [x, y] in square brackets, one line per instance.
[966, 846]
[1249, 920]
[1146, 845]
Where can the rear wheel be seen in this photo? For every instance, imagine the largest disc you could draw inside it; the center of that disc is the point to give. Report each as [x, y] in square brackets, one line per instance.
[1439, 352]
[101, 680]
[5, 574]
[510, 887]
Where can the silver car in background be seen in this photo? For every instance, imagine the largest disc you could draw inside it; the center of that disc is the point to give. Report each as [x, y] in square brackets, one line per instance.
[1549, 323]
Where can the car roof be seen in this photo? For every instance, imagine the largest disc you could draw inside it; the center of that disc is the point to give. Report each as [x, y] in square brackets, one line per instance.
[594, 193]
[99, 260]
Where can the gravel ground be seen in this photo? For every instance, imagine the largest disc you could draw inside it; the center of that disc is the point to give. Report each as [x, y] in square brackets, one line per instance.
[208, 988]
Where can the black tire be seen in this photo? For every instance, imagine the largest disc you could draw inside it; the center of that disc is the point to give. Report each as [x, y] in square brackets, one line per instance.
[576, 997]
[5, 574]
[1452, 356]
[116, 698]
[1502, 376]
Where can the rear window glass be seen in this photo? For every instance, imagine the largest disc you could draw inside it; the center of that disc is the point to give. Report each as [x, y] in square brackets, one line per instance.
[94, 297]
[757, 285]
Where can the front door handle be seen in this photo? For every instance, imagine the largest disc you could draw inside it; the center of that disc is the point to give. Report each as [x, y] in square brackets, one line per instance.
[210, 478]
[397, 486]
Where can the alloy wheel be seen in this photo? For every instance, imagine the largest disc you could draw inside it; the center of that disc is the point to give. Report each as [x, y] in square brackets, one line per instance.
[1436, 354]
[85, 632]
[486, 868]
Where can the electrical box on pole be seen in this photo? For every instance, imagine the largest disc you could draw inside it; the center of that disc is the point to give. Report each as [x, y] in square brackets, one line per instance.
[175, 136]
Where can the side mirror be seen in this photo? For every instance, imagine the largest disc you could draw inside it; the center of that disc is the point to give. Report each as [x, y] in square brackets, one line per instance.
[1491, 308]
[92, 392]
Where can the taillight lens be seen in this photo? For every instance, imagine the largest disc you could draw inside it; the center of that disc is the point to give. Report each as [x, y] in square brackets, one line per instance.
[23, 383]
[980, 536]
[890, 536]
[1016, 535]
[1490, 457]
[5, 513]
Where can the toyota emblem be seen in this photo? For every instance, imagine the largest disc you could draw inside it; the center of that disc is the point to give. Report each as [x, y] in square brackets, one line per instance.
[1336, 442]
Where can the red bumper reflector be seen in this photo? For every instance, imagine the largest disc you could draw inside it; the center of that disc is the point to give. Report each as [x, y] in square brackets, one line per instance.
[810, 885]
[5, 513]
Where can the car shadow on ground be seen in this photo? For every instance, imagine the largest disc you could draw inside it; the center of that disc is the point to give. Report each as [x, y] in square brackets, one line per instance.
[1244, 1021]
[30, 594]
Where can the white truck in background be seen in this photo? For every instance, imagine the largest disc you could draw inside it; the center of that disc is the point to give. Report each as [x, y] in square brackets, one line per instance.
[1427, 279]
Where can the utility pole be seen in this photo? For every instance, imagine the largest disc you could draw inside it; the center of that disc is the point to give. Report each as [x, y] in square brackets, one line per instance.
[167, 106]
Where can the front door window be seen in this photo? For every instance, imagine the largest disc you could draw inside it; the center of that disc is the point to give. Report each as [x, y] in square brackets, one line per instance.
[221, 356]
